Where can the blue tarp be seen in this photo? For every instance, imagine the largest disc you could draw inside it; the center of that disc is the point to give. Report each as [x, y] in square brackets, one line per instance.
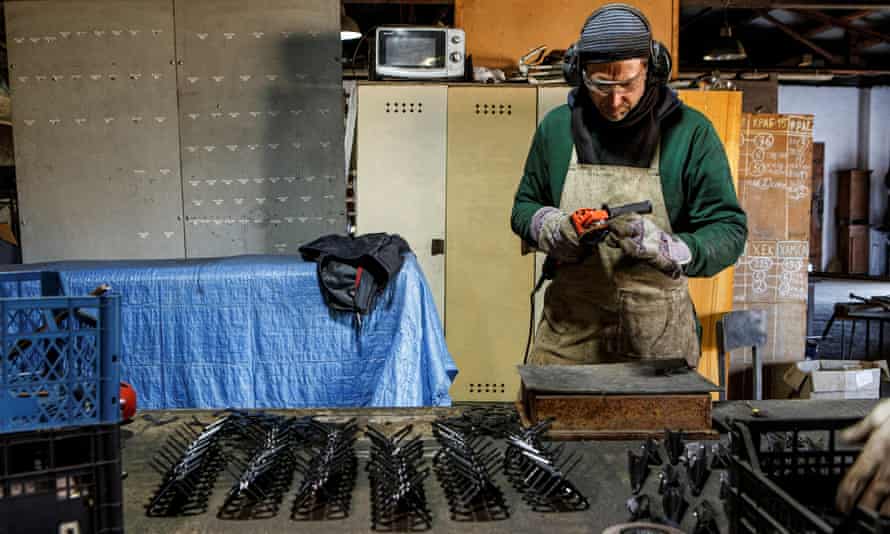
[254, 332]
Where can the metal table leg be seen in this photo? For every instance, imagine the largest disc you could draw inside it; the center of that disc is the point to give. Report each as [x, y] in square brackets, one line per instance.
[843, 338]
[868, 339]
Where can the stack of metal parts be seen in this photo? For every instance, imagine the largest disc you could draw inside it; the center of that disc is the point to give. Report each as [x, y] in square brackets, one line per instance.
[396, 472]
[493, 421]
[189, 463]
[687, 468]
[261, 479]
[540, 473]
[465, 466]
[329, 473]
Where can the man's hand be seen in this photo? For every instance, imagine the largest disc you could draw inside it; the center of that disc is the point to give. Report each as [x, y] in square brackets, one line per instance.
[556, 235]
[867, 483]
[640, 238]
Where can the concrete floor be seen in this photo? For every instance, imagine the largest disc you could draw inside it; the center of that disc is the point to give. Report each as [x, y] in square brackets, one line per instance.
[602, 477]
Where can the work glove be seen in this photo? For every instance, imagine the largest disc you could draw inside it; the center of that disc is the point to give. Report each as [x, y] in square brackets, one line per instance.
[641, 238]
[867, 483]
[556, 236]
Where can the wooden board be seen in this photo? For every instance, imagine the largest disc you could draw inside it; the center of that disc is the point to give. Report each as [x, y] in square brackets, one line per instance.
[499, 32]
[400, 182]
[618, 416]
[774, 189]
[713, 296]
[487, 280]
[639, 378]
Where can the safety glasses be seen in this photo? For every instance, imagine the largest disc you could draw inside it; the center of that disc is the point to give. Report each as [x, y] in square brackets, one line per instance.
[605, 87]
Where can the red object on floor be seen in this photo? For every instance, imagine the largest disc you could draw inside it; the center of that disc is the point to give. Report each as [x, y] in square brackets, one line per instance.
[128, 401]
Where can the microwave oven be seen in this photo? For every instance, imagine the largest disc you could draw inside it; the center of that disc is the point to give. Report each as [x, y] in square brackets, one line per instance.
[419, 53]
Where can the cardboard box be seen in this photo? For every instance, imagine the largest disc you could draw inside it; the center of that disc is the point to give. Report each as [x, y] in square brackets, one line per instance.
[837, 379]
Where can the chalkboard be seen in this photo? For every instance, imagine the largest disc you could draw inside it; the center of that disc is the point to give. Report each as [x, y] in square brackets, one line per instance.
[775, 170]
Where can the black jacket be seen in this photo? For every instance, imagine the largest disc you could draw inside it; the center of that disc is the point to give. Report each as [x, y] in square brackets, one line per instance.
[345, 263]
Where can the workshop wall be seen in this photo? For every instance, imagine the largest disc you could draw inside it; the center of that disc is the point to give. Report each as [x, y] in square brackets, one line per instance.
[879, 163]
[499, 32]
[170, 128]
[849, 121]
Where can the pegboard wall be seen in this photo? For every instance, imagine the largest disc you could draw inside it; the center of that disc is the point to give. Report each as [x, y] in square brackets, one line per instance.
[164, 129]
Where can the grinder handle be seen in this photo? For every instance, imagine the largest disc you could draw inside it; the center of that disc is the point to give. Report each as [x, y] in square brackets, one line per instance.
[642, 208]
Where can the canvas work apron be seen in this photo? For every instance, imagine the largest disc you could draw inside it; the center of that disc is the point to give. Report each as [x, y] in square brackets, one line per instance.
[611, 308]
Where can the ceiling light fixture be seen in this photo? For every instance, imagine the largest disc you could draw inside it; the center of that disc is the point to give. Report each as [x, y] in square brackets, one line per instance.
[726, 47]
[349, 30]
[754, 75]
[805, 77]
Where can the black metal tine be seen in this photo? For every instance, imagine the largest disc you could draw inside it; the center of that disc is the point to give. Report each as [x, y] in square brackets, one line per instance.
[674, 505]
[539, 471]
[567, 470]
[698, 470]
[396, 474]
[653, 456]
[638, 468]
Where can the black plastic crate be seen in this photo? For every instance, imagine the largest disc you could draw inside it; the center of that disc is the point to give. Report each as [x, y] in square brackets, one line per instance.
[61, 481]
[784, 477]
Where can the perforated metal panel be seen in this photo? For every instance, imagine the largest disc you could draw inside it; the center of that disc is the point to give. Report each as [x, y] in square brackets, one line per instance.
[487, 280]
[96, 135]
[261, 118]
[400, 185]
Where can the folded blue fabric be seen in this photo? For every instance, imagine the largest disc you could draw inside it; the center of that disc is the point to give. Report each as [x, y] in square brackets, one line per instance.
[254, 332]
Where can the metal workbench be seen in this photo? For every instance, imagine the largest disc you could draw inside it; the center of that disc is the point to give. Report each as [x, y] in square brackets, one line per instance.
[603, 478]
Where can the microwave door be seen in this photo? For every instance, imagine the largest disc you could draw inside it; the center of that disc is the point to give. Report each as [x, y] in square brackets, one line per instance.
[402, 53]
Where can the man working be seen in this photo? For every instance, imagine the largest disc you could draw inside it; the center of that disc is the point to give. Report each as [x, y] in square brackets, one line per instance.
[625, 137]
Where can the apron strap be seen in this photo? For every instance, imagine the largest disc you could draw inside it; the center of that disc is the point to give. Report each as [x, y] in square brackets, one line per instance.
[573, 162]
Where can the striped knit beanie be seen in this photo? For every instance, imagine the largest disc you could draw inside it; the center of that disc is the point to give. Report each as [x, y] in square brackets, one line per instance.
[614, 32]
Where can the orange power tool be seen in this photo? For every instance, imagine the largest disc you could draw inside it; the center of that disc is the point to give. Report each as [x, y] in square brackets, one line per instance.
[591, 226]
[591, 223]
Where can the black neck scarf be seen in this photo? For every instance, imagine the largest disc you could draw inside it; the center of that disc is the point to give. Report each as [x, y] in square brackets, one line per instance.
[632, 140]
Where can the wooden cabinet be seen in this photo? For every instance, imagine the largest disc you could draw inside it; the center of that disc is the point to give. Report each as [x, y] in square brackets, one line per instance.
[852, 196]
[499, 32]
[852, 242]
[852, 219]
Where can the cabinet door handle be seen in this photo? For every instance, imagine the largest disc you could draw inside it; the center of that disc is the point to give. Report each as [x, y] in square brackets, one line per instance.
[437, 247]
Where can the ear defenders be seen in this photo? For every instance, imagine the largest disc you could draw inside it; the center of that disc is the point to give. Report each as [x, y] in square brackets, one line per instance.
[659, 63]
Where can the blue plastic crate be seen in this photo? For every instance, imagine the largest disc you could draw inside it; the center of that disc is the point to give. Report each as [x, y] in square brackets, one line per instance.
[59, 360]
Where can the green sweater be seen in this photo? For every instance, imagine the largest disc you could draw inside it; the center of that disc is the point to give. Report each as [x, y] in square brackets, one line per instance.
[695, 178]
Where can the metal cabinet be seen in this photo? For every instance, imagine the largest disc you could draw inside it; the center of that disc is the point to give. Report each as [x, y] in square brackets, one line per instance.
[487, 279]
[400, 166]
